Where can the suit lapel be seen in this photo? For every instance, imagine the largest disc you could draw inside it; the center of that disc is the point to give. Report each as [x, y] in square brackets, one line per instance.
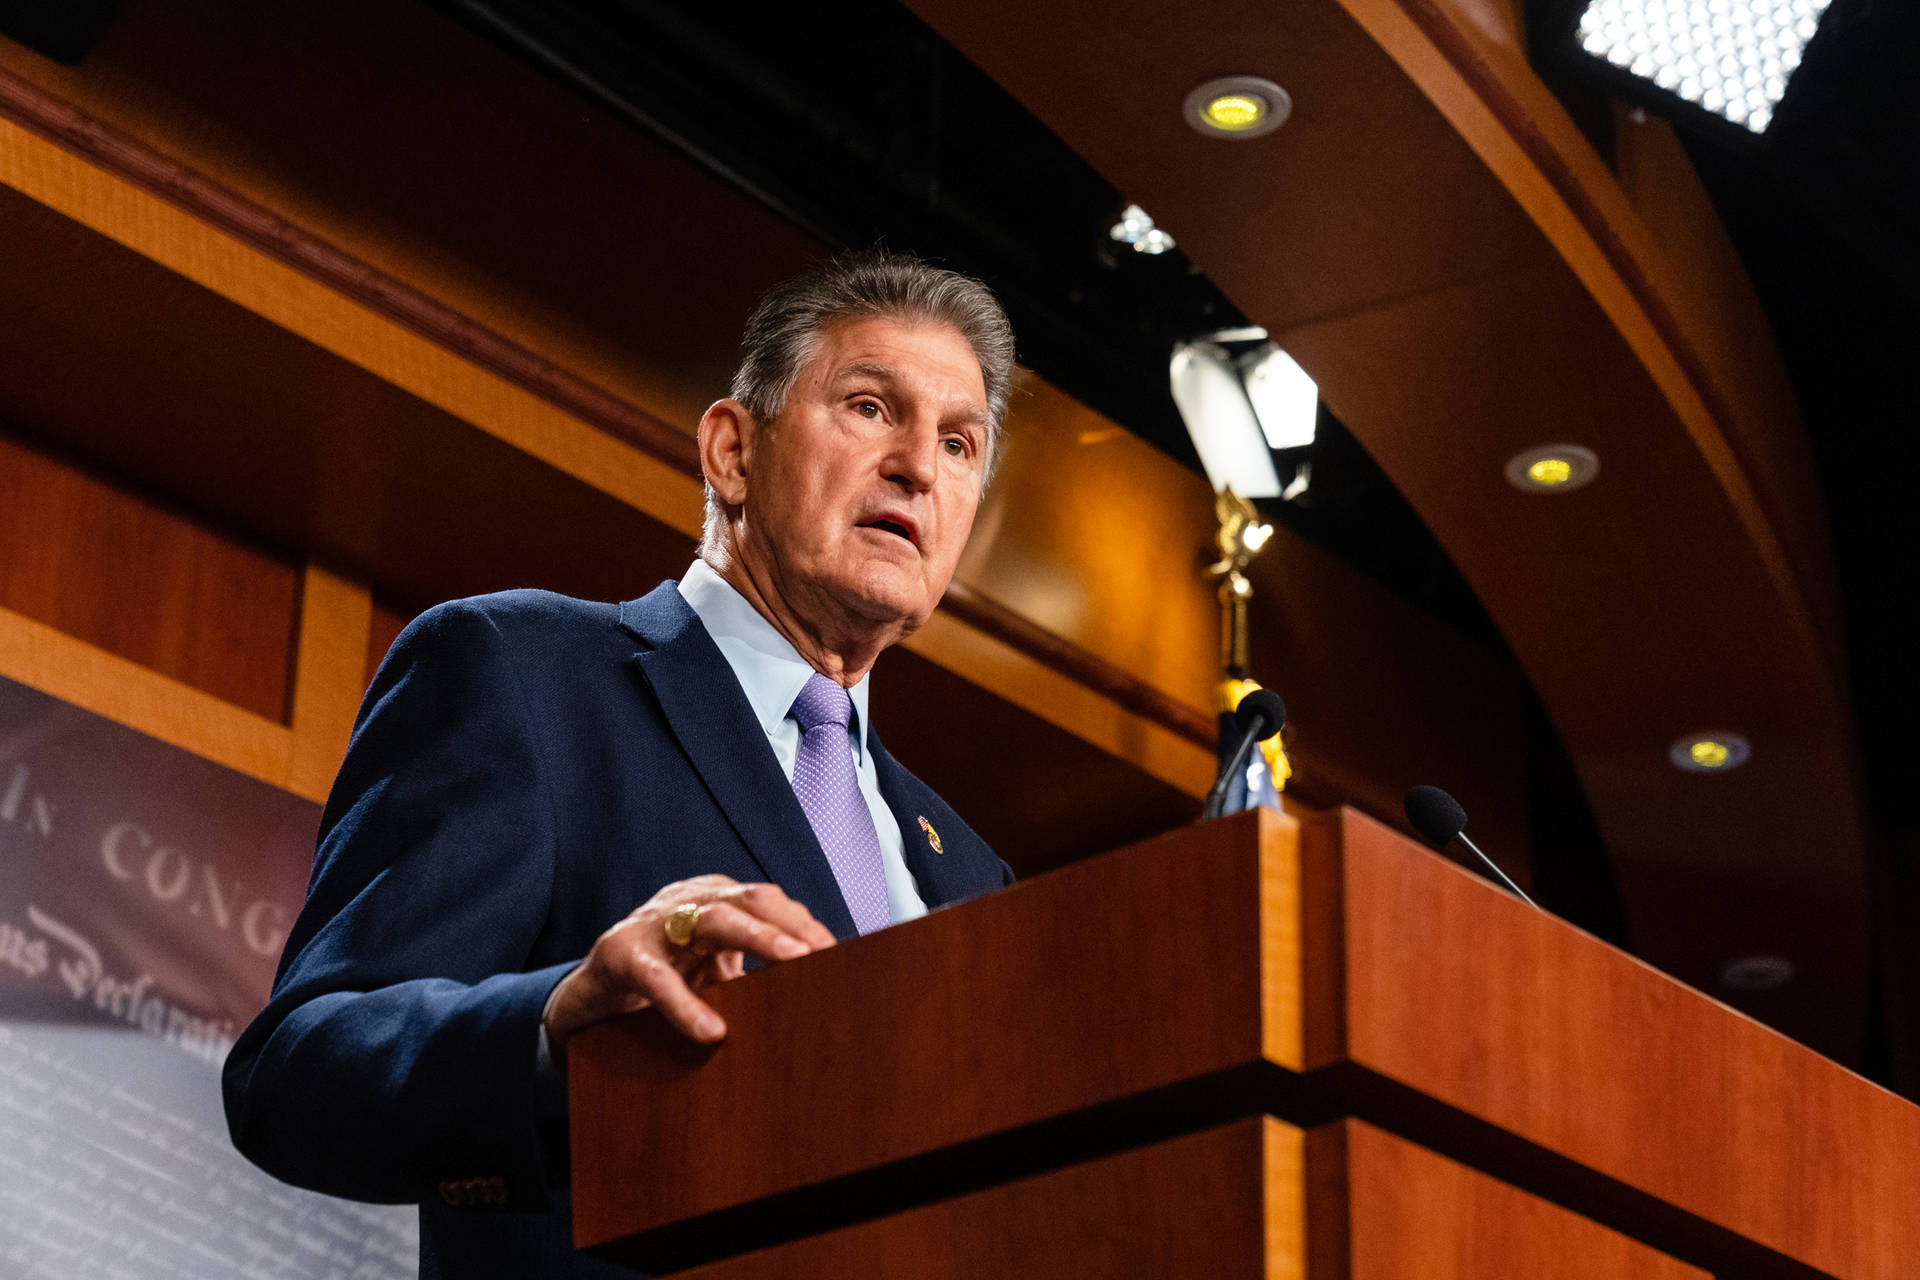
[942, 876]
[706, 710]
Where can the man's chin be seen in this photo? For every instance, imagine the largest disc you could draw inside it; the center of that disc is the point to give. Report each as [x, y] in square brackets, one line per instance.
[884, 596]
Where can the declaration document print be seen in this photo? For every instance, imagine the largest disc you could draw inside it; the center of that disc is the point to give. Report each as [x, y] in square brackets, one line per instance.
[144, 897]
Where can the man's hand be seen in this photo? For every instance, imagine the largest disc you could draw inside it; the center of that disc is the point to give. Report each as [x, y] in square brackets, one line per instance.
[632, 965]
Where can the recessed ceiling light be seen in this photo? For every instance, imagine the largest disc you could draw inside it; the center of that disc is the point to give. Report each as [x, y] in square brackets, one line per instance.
[1550, 472]
[1132, 223]
[1709, 752]
[1757, 973]
[1236, 112]
[1136, 230]
[1552, 468]
[1238, 107]
[1153, 243]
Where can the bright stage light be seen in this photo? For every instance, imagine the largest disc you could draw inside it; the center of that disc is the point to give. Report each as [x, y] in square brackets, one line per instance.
[1285, 399]
[1241, 409]
[1220, 418]
[1730, 57]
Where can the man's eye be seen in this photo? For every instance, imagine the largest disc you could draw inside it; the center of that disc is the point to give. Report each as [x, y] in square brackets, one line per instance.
[867, 409]
[956, 447]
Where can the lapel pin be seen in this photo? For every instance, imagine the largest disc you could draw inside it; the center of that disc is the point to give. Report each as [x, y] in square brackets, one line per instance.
[933, 837]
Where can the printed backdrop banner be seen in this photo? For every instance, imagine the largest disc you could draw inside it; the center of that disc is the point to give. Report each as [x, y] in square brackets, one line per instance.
[144, 897]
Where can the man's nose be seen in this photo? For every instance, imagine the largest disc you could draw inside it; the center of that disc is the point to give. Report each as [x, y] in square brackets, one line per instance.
[914, 457]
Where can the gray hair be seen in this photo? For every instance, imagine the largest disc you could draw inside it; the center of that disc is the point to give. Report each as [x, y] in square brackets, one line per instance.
[784, 330]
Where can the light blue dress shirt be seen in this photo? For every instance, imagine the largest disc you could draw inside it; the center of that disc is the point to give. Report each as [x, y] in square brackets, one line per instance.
[771, 672]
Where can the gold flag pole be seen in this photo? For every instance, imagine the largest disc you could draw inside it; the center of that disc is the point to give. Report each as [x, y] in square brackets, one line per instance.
[1241, 536]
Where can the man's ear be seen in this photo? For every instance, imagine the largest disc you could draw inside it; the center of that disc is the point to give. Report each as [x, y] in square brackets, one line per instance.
[726, 430]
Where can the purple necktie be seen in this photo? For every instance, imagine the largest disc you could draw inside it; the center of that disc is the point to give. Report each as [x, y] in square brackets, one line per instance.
[829, 794]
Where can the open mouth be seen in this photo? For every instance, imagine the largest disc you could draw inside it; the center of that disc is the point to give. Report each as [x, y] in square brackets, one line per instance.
[888, 526]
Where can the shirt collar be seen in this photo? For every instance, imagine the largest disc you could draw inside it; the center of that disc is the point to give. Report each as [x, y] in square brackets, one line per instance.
[770, 670]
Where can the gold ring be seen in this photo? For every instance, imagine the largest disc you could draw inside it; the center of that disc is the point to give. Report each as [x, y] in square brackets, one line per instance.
[681, 922]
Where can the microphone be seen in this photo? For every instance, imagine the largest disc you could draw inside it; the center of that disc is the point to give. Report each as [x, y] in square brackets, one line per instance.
[1439, 818]
[1258, 717]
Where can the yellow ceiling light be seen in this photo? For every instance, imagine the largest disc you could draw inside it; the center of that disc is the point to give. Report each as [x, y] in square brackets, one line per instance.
[1236, 111]
[1552, 468]
[1709, 754]
[1550, 471]
[1714, 752]
[1237, 107]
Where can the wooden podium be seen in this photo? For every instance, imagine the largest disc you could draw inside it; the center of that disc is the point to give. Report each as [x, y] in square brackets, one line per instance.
[1251, 1048]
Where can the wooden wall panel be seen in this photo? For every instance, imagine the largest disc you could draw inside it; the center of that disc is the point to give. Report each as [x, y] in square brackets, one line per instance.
[1382, 698]
[1031, 789]
[106, 684]
[1092, 533]
[300, 416]
[329, 670]
[557, 225]
[383, 628]
[120, 571]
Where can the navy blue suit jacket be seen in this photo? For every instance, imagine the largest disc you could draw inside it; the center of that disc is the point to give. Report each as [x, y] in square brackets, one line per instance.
[525, 770]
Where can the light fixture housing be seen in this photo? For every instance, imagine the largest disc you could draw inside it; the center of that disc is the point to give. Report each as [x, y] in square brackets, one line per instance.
[1243, 400]
[1237, 107]
[1220, 419]
[1717, 752]
[1553, 468]
[1762, 972]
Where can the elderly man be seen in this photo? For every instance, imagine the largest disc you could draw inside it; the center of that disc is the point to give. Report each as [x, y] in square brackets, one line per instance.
[527, 768]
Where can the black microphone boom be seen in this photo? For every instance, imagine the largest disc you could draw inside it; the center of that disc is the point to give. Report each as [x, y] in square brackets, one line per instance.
[1440, 821]
[1260, 715]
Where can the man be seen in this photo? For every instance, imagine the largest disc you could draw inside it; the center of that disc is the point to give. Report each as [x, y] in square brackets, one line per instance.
[527, 768]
